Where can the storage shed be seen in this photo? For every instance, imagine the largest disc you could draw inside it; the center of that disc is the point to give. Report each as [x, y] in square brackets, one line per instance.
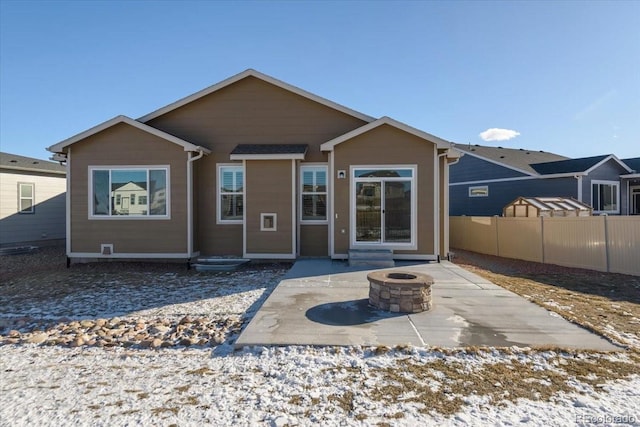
[546, 206]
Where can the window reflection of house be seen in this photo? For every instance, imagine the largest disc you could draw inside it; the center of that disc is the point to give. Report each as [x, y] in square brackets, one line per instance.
[158, 205]
[129, 199]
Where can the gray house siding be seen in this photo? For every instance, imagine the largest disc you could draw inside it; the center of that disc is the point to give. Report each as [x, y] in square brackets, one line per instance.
[47, 222]
[608, 171]
[503, 192]
[471, 168]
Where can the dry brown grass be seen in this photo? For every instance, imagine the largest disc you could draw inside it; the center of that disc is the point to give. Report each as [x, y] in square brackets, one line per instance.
[443, 386]
[606, 303]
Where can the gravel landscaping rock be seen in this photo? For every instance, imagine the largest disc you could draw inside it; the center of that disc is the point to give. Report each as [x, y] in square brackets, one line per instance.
[139, 305]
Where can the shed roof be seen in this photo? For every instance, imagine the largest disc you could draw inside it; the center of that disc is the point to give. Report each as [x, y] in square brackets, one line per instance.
[554, 203]
[30, 164]
[269, 151]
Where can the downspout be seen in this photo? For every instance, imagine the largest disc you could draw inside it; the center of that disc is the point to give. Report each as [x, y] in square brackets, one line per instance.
[438, 201]
[579, 179]
[190, 161]
[68, 208]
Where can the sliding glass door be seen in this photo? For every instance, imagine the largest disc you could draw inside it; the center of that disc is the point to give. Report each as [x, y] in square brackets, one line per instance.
[384, 206]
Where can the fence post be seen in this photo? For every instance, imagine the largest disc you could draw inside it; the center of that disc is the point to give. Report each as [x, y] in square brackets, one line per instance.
[606, 240]
[496, 218]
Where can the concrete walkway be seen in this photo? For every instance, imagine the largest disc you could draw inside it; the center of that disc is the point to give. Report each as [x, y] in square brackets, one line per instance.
[324, 302]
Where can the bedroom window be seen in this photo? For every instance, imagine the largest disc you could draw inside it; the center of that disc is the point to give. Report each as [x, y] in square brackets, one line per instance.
[313, 193]
[126, 192]
[605, 196]
[26, 198]
[230, 194]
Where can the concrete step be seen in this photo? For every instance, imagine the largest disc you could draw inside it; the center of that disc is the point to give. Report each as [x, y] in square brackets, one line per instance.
[382, 258]
[218, 264]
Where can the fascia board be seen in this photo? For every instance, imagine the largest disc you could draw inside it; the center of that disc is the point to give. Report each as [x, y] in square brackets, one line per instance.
[37, 171]
[439, 142]
[606, 159]
[253, 73]
[563, 175]
[57, 148]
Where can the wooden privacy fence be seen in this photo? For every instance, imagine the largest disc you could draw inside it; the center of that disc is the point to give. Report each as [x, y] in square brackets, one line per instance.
[603, 243]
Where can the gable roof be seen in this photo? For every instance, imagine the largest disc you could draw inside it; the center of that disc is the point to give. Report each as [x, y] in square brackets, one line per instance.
[633, 164]
[440, 143]
[57, 148]
[30, 164]
[583, 164]
[518, 159]
[253, 73]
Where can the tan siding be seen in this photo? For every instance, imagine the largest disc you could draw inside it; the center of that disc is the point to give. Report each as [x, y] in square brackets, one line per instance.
[386, 145]
[268, 190]
[314, 240]
[250, 111]
[124, 145]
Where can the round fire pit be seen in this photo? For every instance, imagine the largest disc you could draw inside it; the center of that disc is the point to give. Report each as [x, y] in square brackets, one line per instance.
[401, 292]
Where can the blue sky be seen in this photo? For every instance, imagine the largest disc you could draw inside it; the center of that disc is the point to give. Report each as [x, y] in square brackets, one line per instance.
[560, 76]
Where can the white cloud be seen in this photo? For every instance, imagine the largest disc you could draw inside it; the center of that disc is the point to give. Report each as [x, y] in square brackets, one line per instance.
[496, 134]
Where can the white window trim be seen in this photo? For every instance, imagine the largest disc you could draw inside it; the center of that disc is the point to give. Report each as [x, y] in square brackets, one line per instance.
[616, 184]
[274, 226]
[313, 166]
[219, 168]
[413, 244]
[478, 187]
[32, 198]
[110, 217]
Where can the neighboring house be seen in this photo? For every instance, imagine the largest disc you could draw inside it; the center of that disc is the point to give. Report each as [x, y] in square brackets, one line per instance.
[631, 187]
[255, 167]
[486, 179]
[32, 201]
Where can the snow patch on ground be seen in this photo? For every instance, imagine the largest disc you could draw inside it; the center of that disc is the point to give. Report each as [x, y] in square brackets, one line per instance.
[273, 386]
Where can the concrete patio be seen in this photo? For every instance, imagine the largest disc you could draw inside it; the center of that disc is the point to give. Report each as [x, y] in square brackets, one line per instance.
[324, 302]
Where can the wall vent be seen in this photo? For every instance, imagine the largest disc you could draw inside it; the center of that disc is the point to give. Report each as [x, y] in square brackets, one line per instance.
[106, 248]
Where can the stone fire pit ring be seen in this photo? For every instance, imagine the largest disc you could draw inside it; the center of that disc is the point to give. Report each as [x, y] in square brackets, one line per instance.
[400, 291]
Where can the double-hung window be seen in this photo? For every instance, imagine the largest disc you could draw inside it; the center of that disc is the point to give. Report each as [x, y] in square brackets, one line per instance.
[26, 197]
[605, 196]
[230, 194]
[125, 192]
[313, 194]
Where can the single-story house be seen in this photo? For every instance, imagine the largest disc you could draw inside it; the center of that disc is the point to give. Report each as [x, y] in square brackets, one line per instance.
[32, 201]
[488, 178]
[255, 167]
